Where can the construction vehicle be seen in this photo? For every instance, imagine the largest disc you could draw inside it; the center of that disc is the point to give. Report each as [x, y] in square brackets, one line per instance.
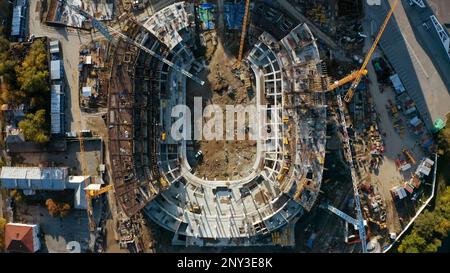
[163, 181]
[356, 76]
[243, 34]
[247, 83]
[106, 32]
[198, 155]
[195, 209]
[393, 108]
[409, 156]
[381, 225]
[282, 174]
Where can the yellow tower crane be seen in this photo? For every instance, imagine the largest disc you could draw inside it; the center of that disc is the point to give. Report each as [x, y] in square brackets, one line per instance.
[244, 33]
[99, 191]
[356, 76]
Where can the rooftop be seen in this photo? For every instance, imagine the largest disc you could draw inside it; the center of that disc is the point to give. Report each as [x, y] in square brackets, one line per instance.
[34, 173]
[22, 238]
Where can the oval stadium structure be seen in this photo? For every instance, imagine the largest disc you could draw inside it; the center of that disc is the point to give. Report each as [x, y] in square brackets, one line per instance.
[153, 174]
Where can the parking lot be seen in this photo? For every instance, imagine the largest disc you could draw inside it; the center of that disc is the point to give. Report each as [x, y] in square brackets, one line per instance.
[70, 158]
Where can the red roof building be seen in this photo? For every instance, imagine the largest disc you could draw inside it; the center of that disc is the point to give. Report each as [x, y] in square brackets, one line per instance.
[22, 238]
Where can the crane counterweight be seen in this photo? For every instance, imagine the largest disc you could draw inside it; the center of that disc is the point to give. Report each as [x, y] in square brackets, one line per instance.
[356, 76]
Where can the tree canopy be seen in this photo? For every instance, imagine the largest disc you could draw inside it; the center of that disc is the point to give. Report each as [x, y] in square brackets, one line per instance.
[34, 127]
[433, 226]
[55, 209]
[33, 75]
[24, 79]
[8, 78]
[52, 207]
[2, 234]
[429, 228]
[24, 74]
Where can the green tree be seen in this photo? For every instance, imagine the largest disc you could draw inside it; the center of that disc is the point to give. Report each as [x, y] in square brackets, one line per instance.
[4, 48]
[24, 81]
[55, 208]
[429, 228]
[33, 76]
[34, 127]
[412, 243]
[8, 81]
[444, 139]
[2, 234]
[433, 226]
[52, 207]
[64, 209]
[16, 195]
[10, 92]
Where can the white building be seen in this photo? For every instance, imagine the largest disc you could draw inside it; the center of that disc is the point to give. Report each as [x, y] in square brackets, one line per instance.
[31, 179]
[55, 70]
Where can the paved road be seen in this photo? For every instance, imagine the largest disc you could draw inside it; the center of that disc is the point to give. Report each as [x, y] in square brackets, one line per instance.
[71, 40]
[417, 56]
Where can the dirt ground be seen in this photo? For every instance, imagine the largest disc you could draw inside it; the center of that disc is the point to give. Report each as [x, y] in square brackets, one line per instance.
[70, 158]
[111, 244]
[388, 175]
[222, 159]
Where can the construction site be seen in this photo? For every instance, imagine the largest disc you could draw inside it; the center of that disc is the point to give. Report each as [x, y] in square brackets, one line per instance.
[251, 192]
[259, 188]
[344, 155]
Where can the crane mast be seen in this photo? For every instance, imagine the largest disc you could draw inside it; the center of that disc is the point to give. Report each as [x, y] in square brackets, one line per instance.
[349, 95]
[352, 166]
[244, 33]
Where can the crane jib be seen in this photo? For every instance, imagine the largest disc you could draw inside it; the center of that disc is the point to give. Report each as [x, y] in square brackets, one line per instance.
[349, 95]
[104, 30]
